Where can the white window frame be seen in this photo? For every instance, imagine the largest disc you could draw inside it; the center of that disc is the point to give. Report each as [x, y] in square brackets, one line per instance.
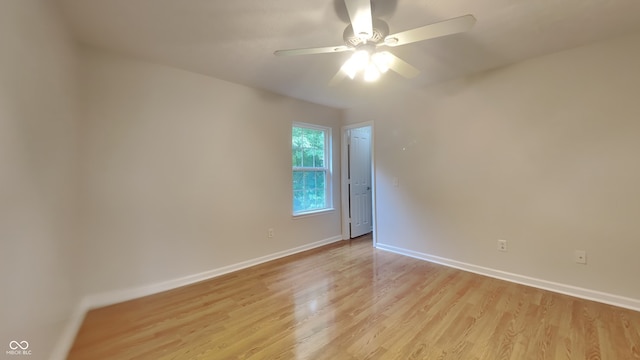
[328, 169]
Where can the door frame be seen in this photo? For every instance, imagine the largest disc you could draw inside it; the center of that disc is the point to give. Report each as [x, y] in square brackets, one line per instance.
[344, 188]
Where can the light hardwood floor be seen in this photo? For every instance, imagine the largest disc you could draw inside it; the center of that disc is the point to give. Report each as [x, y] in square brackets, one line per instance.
[350, 301]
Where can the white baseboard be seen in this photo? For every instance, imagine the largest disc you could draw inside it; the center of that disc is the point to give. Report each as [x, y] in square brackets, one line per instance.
[112, 297]
[65, 341]
[611, 299]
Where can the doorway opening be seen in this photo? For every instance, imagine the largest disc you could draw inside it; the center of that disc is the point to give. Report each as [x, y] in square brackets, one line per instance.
[358, 181]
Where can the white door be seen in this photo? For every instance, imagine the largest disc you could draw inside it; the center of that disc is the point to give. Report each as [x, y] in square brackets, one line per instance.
[359, 157]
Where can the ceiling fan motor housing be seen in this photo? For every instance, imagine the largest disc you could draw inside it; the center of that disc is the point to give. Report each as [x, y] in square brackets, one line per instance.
[380, 31]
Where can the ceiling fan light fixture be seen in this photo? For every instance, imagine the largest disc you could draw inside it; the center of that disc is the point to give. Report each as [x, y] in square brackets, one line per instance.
[361, 59]
[371, 73]
[356, 63]
[382, 60]
[349, 68]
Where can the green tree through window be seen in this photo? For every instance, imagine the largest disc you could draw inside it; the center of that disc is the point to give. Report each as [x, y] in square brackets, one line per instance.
[310, 160]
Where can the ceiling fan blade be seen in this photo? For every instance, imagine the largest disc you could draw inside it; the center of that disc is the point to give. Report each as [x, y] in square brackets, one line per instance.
[307, 51]
[402, 67]
[446, 27]
[361, 19]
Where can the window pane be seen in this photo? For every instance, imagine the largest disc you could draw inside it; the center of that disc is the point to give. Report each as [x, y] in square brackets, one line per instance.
[319, 198]
[312, 201]
[307, 158]
[318, 149]
[320, 176]
[307, 200]
[310, 180]
[308, 147]
[296, 138]
[318, 158]
[297, 157]
[298, 201]
[298, 181]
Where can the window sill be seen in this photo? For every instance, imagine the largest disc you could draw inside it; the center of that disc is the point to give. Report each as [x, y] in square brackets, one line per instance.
[312, 213]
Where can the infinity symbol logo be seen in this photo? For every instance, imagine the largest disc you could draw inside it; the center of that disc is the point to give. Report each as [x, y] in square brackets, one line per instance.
[14, 345]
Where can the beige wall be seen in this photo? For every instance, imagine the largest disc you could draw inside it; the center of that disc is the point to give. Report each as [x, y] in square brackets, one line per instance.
[184, 173]
[37, 175]
[169, 174]
[544, 154]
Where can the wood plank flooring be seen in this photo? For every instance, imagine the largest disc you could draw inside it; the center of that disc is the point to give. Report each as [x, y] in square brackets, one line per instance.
[350, 301]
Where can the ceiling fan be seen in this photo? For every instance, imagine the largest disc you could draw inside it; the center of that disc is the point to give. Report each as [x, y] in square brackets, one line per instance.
[366, 34]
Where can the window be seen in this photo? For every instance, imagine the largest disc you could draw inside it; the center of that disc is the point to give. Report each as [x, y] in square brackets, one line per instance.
[311, 160]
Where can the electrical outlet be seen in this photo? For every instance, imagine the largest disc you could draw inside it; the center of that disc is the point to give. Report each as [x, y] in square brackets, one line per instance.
[502, 245]
[270, 233]
[580, 256]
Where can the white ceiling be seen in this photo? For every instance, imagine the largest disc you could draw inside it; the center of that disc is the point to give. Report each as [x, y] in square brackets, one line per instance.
[235, 40]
